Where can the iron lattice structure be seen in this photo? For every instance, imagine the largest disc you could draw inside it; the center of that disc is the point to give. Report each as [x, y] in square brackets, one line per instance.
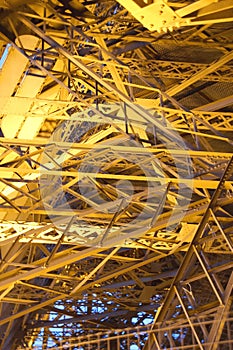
[94, 96]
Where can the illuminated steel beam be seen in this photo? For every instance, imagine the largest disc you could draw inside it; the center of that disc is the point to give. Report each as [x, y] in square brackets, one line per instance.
[107, 59]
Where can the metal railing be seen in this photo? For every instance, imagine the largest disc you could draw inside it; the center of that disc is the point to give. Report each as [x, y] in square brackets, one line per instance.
[170, 336]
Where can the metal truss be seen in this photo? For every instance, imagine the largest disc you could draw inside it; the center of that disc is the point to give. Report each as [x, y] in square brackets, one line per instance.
[53, 112]
[197, 271]
[91, 83]
[176, 70]
[168, 16]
